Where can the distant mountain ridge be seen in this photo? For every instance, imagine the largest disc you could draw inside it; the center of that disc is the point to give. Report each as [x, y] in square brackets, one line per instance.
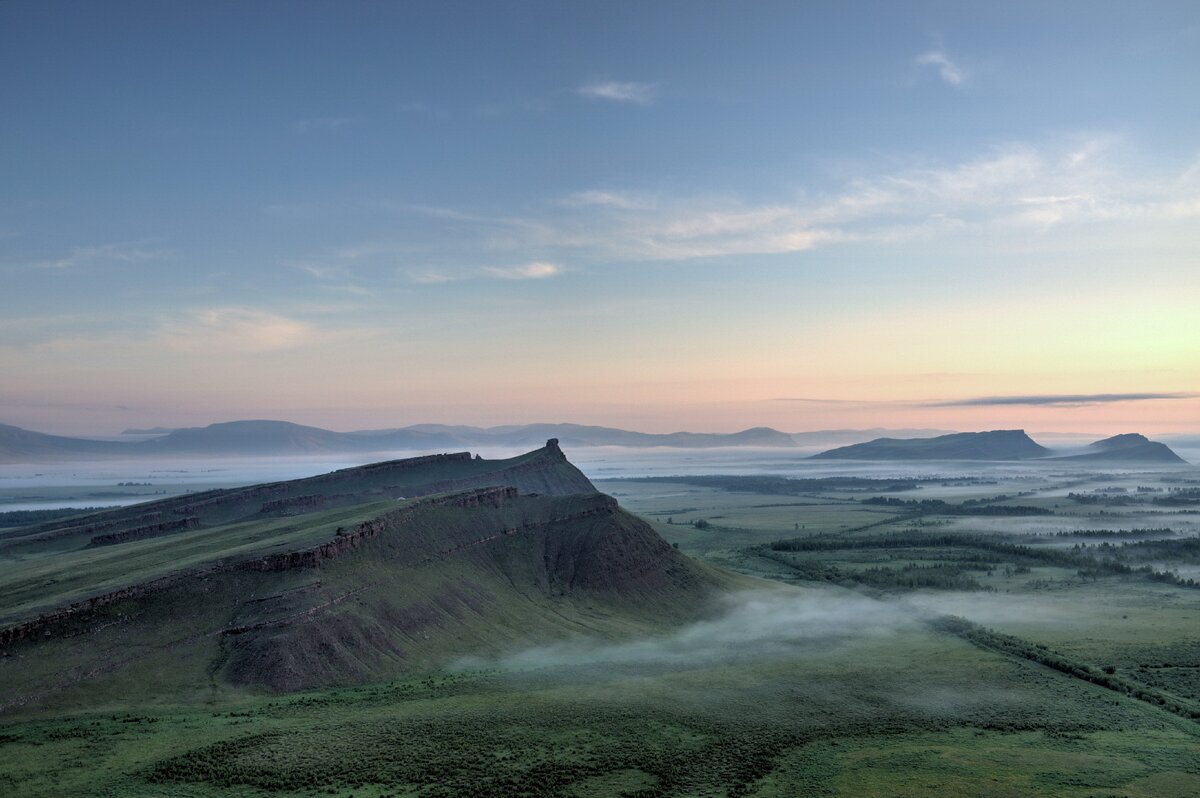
[268, 437]
[1003, 445]
[262, 437]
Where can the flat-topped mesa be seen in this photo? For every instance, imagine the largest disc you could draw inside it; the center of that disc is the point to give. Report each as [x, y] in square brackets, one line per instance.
[1004, 444]
[545, 471]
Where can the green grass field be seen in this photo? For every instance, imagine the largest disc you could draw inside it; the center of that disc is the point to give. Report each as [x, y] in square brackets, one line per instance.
[915, 715]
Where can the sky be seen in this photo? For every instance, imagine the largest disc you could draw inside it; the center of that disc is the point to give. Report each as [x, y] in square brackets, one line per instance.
[656, 215]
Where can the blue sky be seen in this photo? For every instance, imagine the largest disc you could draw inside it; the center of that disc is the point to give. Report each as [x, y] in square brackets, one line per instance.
[660, 215]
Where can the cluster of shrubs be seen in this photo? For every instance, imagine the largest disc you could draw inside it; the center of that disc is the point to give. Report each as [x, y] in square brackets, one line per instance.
[529, 751]
[939, 507]
[1107, 560]
[14, 518]
[1115, 533]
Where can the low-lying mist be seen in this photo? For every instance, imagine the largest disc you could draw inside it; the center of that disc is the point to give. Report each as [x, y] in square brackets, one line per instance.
[782, 622]
[759, 623]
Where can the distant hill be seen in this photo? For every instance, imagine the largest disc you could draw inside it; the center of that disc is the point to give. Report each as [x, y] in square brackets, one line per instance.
[1009, 444]
[848, 436]
[577, 435]
[274, 438]
[1129, 447]
[283, 437]
[360, 574]
[266, 437]
[18, 444]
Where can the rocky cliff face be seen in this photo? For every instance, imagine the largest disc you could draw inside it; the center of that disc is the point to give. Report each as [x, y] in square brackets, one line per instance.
[348, 539]
[143, 532]
[505, 572]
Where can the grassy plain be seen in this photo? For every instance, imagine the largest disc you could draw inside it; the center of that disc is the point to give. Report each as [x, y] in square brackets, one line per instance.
[920, 710]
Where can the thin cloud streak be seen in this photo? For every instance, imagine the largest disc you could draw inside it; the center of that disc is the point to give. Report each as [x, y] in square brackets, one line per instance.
[129, 252]
[538, 270]
[617, 91]
[1062, 400]
[430, 277]
[535, 270]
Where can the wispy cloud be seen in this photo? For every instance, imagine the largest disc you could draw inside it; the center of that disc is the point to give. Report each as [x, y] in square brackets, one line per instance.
[322, 271]
[326, 123]
[428, 277]
[1061, 400]
[1009, 195]
[537, 270]
[1015, 189]
[609, 199]
[949, 72]
[618, 91]
[130, 252]
[234, 330]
